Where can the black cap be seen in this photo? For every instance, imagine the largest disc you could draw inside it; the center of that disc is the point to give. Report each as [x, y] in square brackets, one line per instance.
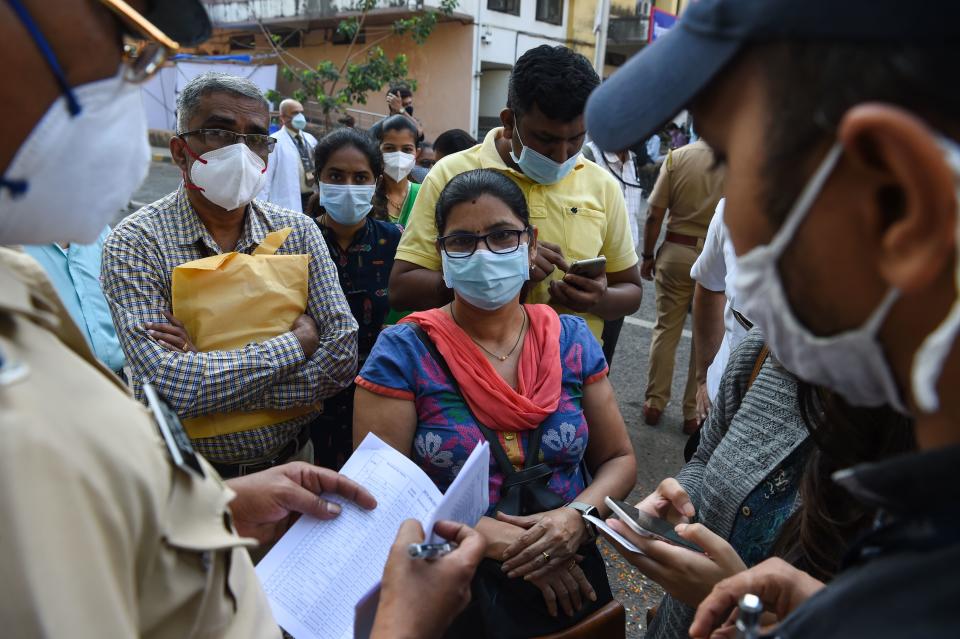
[186, 21]
[667, 75]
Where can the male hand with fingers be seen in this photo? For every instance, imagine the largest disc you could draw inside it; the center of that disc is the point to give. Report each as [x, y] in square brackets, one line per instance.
[172, 336]
[420, 598]
[268, 502]
[780, 586]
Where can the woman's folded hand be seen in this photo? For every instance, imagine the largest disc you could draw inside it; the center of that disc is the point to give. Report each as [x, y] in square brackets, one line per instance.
[551, 540]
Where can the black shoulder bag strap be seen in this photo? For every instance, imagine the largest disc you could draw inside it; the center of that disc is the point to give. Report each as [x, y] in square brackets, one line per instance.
[523, 492]
[496, 449]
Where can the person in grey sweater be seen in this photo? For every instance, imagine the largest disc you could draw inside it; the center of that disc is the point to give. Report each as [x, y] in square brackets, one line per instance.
[755, 467]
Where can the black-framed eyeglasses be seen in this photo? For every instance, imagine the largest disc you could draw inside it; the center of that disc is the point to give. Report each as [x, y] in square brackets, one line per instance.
[218, 138]
[460, 245]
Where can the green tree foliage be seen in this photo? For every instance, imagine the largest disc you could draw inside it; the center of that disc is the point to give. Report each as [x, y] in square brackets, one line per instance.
[365, 70]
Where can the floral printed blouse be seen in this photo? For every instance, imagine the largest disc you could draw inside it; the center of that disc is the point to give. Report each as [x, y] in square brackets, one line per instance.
[401, 367]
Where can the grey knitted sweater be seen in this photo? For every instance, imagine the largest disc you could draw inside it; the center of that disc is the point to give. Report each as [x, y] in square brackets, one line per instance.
[747, 435]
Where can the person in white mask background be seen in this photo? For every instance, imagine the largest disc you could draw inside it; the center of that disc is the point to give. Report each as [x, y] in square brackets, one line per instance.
[843, 210]
[290, 178]
[222, 148]
[576, 206]
[348, 162]
[396, 192]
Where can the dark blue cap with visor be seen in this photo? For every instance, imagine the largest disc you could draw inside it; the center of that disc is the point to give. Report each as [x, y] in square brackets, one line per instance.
[661, 80]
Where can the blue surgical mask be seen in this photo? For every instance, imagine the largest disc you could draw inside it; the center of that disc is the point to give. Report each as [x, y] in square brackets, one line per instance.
[299, 122]
[539, 167]
[487, 280]
[347, 204]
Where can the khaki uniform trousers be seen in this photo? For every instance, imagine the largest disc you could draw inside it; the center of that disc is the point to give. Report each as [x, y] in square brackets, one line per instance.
[674, 288]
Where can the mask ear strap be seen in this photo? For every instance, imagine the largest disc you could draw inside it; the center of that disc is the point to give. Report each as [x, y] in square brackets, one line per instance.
[805, 202]
[47, 51]
[17, 188]
[929, 360]
[187, 182]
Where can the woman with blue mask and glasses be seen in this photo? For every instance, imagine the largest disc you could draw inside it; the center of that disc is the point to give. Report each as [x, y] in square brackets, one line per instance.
[348, 162]
[533, 384]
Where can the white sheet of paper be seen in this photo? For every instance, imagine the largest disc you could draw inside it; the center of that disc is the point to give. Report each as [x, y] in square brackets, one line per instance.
[613, 534]
[466, 500]
[317, 572]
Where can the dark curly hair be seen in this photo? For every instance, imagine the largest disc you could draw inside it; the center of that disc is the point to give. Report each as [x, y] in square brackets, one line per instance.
[557, 79]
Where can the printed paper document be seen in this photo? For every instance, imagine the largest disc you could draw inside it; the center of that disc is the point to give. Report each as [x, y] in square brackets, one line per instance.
[315, 575]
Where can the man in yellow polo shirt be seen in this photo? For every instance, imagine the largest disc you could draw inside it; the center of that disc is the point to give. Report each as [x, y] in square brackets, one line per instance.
[577, 207]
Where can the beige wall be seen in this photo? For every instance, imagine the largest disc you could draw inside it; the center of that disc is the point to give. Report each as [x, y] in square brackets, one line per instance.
[442, 67]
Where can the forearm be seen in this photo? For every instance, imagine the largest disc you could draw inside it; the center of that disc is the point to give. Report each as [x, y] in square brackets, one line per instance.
[331, 369]
[413, 288]
[708, 327]
[218, 381]
[618, 301]
[651, 229]
[499, 535]
[614, 478]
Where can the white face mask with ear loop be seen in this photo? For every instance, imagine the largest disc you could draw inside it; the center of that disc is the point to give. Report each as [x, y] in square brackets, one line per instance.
[929, 360]
[851, 363]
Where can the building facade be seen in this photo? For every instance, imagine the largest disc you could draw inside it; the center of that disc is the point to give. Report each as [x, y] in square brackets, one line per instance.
[461, 69]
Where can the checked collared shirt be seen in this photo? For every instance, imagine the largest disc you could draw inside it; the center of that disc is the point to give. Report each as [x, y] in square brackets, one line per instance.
[138, 262]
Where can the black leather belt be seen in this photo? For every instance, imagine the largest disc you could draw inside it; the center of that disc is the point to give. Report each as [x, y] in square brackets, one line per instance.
[228, 471]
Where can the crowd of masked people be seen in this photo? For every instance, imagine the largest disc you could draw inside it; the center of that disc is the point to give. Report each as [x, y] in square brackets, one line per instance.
[294, 295]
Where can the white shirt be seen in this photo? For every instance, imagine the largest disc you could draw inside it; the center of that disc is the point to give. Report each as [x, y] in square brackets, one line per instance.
[627, 173]
[283, 171]
[716, 270]
[653, 148]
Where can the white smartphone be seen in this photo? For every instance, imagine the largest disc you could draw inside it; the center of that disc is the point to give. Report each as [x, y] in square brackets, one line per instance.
[647, 526]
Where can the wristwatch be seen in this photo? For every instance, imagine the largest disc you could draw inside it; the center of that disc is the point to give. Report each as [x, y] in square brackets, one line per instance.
[586, 509]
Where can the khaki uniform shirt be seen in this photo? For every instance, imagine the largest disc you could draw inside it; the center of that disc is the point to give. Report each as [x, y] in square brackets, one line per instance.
[101, 536]
[690, 187]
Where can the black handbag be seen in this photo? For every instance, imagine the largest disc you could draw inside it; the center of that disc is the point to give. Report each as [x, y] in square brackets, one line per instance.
[504, 608]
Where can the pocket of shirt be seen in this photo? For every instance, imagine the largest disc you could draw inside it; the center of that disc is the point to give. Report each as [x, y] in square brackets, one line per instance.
[203, 574]
[585, 232]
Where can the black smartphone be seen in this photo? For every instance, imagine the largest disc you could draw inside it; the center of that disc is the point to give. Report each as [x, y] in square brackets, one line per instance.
[647, 526]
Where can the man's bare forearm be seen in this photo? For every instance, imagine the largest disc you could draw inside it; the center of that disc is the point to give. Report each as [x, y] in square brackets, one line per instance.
[708, 327]
[414, 288]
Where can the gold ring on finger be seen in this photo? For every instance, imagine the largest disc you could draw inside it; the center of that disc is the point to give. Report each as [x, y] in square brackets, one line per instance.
[546, 557]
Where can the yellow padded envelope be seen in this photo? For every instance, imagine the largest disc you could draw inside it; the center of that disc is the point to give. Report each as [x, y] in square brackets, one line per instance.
[229, 300]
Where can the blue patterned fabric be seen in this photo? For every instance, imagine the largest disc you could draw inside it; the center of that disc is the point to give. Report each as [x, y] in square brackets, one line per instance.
[401, 367]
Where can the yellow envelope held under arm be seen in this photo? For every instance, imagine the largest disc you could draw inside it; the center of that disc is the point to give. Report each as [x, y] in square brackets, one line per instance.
[230, 300]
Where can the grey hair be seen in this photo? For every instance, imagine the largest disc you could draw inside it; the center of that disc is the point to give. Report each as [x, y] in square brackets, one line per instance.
[212, 82]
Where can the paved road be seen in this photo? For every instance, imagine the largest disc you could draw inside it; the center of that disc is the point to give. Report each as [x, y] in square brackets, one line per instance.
[659, 450]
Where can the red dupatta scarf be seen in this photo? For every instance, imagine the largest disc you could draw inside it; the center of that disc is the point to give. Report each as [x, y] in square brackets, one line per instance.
[497, 405]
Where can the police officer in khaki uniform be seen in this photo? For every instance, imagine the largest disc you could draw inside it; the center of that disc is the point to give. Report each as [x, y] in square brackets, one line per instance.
[105, 531]
[687, 192]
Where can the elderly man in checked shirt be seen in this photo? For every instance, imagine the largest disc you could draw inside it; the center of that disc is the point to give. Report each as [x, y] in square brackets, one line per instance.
[314, 360]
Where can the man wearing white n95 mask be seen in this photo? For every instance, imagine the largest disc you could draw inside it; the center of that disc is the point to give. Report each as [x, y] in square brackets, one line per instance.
[102, 534]
[222, 148]
[290, 174]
